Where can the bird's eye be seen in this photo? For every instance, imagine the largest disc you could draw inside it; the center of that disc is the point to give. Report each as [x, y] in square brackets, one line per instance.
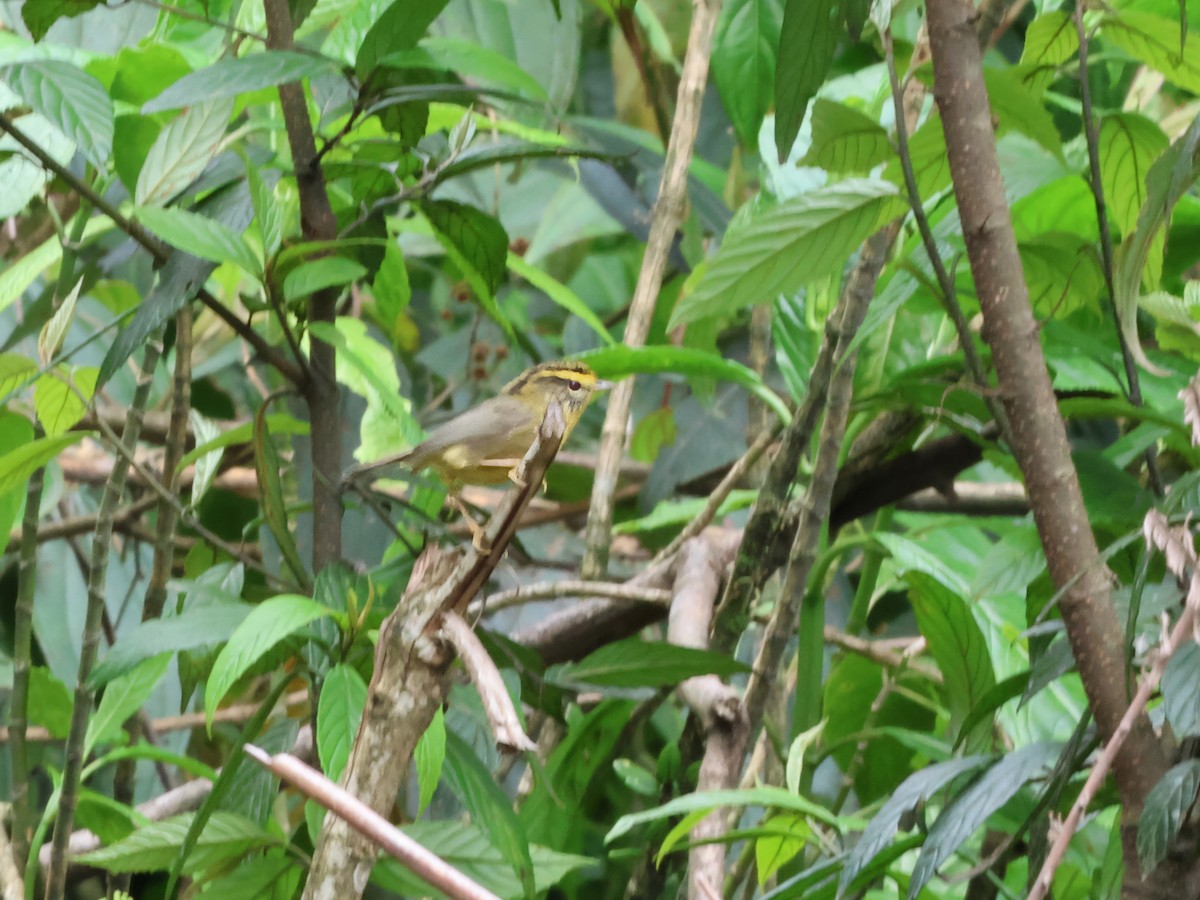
[574, 385]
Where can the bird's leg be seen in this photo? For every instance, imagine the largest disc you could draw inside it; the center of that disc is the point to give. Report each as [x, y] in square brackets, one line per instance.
[478, 538]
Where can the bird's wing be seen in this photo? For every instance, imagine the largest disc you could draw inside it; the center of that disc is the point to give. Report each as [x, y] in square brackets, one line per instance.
[493, 429]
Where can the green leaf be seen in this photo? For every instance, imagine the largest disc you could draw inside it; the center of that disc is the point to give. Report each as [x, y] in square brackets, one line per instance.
[50, 338]
[1050, 40]
[655, 431]
[269, 468]
[153, 847]
[560, 294]
[633, 663]
[399, 28]
[70, 98]
[15, 431]
[269, 211]
[679, 512]
[917, 788]
[1156, 41]
[122, 698]
[269, 623]
[182, 150]
[199, 235]
[19, 463]
[621, 360]
[844, 140]
[339, 710]
[490, 808]
[1062, 272]
[1129, 145]
[1166, 810]
[470, 61]
[709, 800]
[970, 808]
[479, 238]
[781, 839]
[61, 397]
[807, 41]
[428, 757]
[956, 642]
[1017, 108]
[279, 423]
[50, 702]
[743, 62]
[795, 243]
[41, 14]
[1181, 700]
[931, 166]
[310, 277]
[234, 76]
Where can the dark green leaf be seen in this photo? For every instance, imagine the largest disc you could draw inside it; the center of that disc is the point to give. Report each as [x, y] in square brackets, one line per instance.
[635, 663]
[743, 62]
[478, 237]
[399, 28]
[70, 98]
[795, 243]
[971, 808]
[270, 480]
[1165, 811]
[808, 38]
[236, 75]
[39, 15]
[490, 808]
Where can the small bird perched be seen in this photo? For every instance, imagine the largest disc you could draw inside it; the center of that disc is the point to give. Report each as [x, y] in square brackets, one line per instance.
[485, 444]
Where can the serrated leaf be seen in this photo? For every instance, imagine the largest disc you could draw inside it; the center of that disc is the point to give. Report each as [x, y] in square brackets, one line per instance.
[636, 663]
[194, 628]
[182, 150]
[490, 808]
[267, 624]
[1166, 809]
[972, 806]
[339, 710]
[50, 338]
[233, 76]
[797, 242]
[70, 98]
[199, 235]
[153, 847]
[19, 463]
[845, 140]
[743, 62]
[428, 758]
[881, 831]
[808, 38]
[122, 698]
[1129, 145]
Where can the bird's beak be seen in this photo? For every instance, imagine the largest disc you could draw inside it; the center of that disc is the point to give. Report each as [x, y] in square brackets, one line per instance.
[602, 385]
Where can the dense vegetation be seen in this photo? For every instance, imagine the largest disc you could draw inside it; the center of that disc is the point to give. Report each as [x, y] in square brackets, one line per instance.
[879, 549]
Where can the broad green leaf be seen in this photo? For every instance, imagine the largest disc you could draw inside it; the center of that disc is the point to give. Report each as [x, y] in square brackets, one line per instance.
[22, 178]
[655, 431]
[339, 710]
[845, 140]
[399, 28]
[39, 16]
[19, 463]
[72, 99]
[182, 150]
[1018, 109]
[931, 166]
[956, 642]
[621, 360]
[122, 698]
[916, 789]
[50, 702]
[1166, 810]
[153, 847]
[15, 431]
[269, 211]
[1181, 700]
[709, 800]
[795, 243]
[633, 663]
[272, 876]
[1155, 41]
[970, 808]
[234, 76]
[490, 808]
[783, 837]
[807, 40]
[467, 848]
[310, 277]
[1050, 40]
[199, 235]
[1063, 274]
[1129, 145]
[267, 624]
[60, 397]
[560, 294]
[471, 61]
[428, 758]
[743, 62]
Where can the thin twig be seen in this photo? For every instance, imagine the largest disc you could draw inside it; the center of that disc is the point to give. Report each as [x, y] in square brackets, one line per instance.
[558, 590]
